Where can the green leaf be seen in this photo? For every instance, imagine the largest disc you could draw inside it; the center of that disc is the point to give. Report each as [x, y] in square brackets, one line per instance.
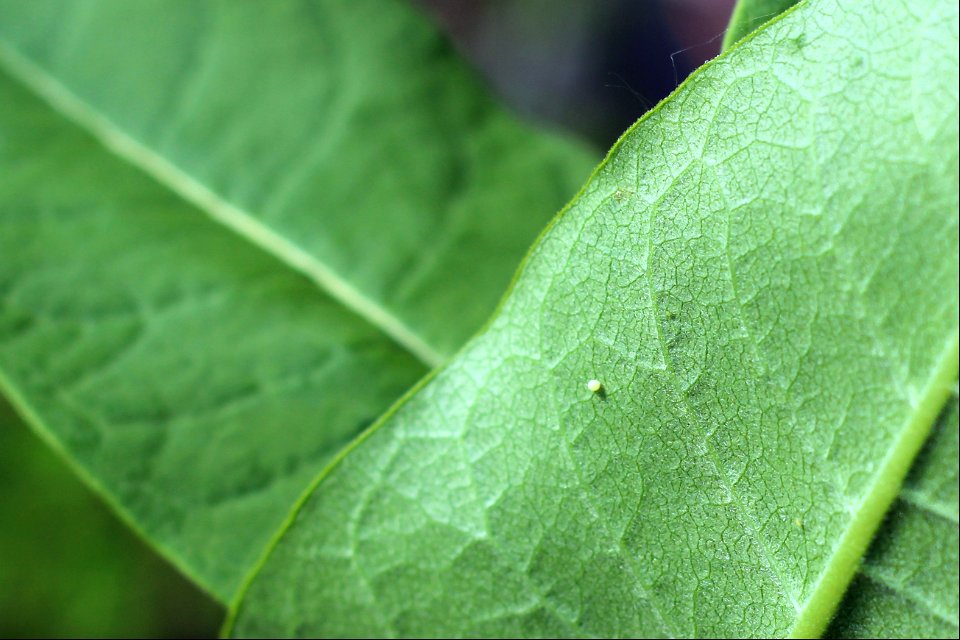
[289, 128]
[763, 276]
[749, 15]
[233, 234]
[194, 380]
[68, 568]
[908, 585]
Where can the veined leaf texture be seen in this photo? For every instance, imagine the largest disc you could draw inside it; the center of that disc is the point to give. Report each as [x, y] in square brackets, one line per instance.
[763, 276]
[225, 254]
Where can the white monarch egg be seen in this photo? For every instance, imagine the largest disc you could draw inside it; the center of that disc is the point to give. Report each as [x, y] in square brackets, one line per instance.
[595, 386]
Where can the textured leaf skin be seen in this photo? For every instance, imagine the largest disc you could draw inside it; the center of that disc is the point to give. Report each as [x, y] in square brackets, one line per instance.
[194, 378]
[908, 585]
[347, 137]
[749, 15]
[763, 275]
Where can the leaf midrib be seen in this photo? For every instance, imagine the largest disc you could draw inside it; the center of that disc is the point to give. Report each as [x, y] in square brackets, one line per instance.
[817, 610]
[171, 177]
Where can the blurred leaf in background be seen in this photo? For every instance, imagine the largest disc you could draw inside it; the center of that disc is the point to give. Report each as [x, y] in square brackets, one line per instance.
[69, 567]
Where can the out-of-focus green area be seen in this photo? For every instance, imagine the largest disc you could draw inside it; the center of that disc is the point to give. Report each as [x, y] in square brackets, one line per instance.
[69, 567]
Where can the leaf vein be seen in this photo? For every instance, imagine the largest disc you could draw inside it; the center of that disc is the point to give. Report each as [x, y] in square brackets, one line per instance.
[242, 222]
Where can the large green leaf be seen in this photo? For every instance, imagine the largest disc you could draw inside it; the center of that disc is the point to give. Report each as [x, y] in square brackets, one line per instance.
[301, 205]
[298, 123]
[763, 275]
[908, 584]
[193, 379]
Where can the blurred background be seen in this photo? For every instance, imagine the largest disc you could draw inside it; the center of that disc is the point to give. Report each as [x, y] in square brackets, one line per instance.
[70, 568]
[587, 66]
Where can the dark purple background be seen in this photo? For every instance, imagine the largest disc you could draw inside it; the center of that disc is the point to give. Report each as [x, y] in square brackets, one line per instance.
[590, 66]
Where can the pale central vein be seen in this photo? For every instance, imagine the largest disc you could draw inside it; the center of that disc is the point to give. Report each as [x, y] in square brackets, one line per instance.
[242, 222]
[884, 488]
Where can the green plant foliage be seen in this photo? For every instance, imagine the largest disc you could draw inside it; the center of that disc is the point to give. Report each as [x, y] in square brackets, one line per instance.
[748, 15]
[298, 124]
[197, 381]
[68, 568]
[301, 206]
[908, 585]
[224, 254]
[763, 276]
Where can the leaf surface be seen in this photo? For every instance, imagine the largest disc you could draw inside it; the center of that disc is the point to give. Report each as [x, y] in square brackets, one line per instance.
[763, 276]
[231, 234]
[193, 379]
[908, 584]
[347, 139]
